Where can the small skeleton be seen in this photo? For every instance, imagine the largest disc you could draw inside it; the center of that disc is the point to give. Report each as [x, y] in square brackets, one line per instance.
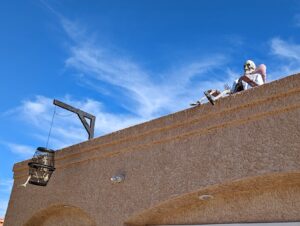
[252, 77]
[42, 171]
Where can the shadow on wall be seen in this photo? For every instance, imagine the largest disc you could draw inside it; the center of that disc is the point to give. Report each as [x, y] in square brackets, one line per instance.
[61, 215]
[267, 198]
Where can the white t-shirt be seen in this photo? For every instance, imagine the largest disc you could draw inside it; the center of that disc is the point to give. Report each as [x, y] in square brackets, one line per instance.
[257, 78]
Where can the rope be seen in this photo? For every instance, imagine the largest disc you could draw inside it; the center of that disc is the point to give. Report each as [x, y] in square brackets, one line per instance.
[51, 126]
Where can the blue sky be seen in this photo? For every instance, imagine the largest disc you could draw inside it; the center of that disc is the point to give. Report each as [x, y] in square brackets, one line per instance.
[126, 62]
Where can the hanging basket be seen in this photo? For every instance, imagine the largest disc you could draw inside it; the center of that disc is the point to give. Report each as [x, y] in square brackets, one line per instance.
[41, 166]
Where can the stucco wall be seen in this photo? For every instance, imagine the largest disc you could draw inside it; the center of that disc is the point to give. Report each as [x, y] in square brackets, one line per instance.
[244, 152]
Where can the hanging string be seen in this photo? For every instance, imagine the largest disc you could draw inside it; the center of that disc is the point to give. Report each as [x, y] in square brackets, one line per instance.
[51, 126]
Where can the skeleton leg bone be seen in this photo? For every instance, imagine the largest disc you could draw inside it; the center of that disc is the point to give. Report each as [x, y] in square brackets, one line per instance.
[225, 92]
[198, 102]
[25, 184]
[213, 98]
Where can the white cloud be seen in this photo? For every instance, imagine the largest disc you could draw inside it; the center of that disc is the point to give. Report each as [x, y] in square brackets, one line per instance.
[6, 185]
[21, 150]
[67, 128]
[3, 207]
[147, 98]
[33, 109]
[141, 94]
[289, 58]
[285, 49]
[133, 88]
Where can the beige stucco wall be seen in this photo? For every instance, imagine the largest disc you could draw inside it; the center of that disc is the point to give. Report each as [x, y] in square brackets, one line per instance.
[244, 152]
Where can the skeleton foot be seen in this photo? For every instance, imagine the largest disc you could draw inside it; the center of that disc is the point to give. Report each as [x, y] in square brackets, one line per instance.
[209, 97]
[25, 184]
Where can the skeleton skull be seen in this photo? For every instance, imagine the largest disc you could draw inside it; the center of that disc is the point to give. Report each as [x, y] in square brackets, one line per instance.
[249, 66]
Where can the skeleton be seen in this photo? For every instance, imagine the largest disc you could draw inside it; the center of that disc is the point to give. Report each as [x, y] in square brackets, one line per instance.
[44, 174]
[252, 77]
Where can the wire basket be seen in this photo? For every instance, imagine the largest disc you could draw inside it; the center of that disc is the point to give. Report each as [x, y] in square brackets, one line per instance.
[41, 166]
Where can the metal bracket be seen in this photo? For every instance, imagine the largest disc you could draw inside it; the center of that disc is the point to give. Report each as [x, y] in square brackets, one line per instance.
[83, 116]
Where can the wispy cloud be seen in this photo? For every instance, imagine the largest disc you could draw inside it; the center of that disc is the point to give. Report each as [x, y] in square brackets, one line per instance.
[21, 150]
[289, 57]
[141, 94]
[285, 49]
[147, 97]
[3, 207]
[6, 185]
[67, 128]
[5, 189]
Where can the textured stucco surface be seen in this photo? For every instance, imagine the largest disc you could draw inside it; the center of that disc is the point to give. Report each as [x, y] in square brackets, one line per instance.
[60, 215]
[244, 151]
